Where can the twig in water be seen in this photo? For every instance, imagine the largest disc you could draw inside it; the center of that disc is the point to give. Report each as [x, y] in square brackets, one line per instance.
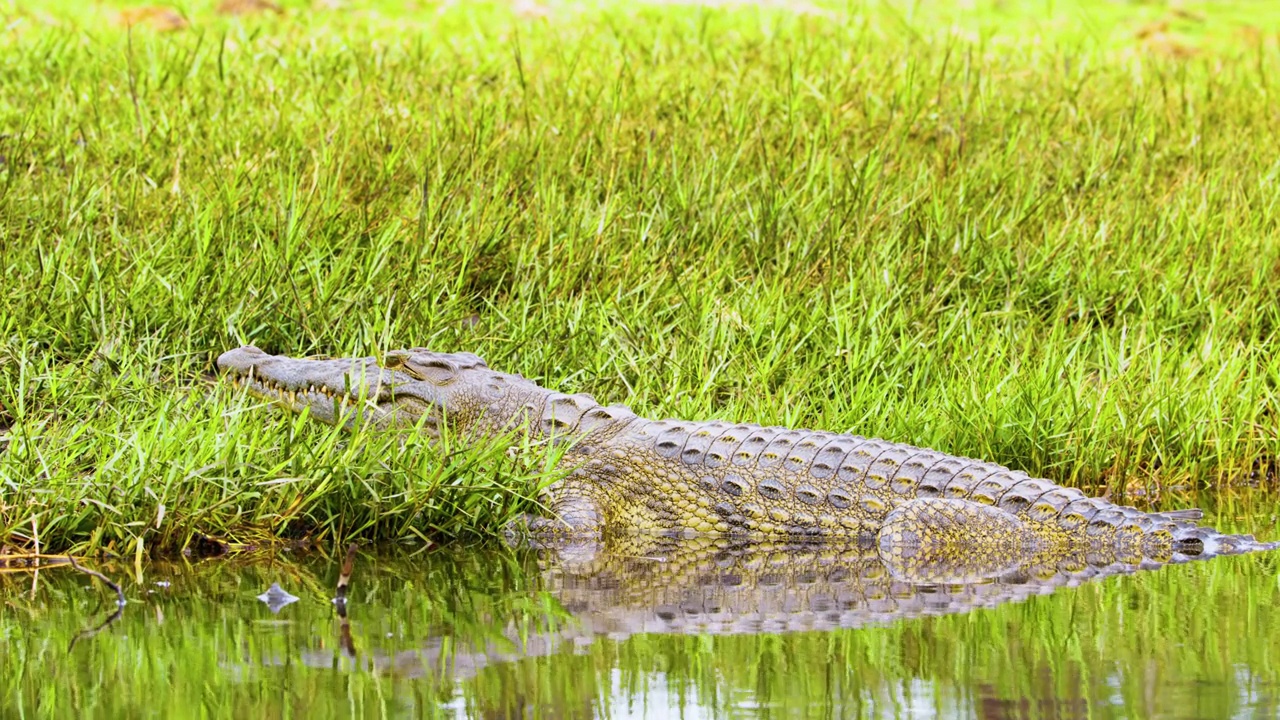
[344, 579]
[120, 603]
[340, 601]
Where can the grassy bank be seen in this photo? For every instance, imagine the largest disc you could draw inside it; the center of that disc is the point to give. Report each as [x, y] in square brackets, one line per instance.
[1041, 235]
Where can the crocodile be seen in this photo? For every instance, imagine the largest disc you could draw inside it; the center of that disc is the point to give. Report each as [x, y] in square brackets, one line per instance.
[624, 472]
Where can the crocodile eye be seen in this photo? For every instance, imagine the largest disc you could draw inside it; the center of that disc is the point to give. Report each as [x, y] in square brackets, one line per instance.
[432, 370]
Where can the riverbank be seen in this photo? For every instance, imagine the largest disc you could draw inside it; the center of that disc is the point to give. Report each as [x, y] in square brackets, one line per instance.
[1046, 238]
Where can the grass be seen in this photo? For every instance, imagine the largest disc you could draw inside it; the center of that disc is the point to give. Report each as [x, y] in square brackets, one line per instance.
[1019, 232]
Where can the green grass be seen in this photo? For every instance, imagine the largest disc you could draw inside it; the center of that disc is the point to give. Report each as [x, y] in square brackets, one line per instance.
[1013, 232]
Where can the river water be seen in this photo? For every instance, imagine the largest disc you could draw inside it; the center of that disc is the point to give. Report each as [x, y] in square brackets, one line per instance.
[641, 628]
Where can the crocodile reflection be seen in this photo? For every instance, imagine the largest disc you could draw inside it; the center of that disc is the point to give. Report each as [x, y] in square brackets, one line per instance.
[633, 585]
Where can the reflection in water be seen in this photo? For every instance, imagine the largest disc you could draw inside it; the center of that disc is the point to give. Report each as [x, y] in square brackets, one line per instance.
[644, 627]
[716, 585]
[641, 584]
[112, 617]
[276, 598]
[340, 602]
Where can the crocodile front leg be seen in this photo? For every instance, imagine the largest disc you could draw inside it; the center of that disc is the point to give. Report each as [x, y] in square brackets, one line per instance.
[572, 513]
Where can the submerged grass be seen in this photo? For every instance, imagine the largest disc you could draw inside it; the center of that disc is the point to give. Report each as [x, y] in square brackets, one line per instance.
[1025, 232]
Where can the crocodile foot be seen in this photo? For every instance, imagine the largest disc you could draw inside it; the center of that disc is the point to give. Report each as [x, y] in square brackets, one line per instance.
[574, 516]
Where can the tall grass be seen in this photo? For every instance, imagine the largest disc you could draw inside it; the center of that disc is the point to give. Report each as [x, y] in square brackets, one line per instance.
[1014, 234]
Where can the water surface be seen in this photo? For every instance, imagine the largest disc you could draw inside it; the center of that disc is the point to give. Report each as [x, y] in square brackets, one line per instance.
[643, 629]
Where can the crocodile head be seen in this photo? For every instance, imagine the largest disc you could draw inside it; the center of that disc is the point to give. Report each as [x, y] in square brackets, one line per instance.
[406, 387]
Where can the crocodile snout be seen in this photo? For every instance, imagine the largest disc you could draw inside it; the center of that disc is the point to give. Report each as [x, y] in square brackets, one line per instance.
[242, 358]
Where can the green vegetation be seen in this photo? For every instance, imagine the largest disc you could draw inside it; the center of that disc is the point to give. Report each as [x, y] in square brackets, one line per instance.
[1017, 232]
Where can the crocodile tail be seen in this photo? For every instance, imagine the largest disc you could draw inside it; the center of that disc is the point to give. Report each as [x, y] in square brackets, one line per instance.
[1170, 536]
[1199, 541]
[1190, 540]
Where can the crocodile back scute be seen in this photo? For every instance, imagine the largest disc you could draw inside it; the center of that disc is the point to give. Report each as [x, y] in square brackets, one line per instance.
[827, 459]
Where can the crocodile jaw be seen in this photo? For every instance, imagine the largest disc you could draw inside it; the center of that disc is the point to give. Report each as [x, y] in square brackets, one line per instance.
[338, 392]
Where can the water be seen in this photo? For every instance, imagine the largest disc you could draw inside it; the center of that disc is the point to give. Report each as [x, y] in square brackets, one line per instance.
[695, 630]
